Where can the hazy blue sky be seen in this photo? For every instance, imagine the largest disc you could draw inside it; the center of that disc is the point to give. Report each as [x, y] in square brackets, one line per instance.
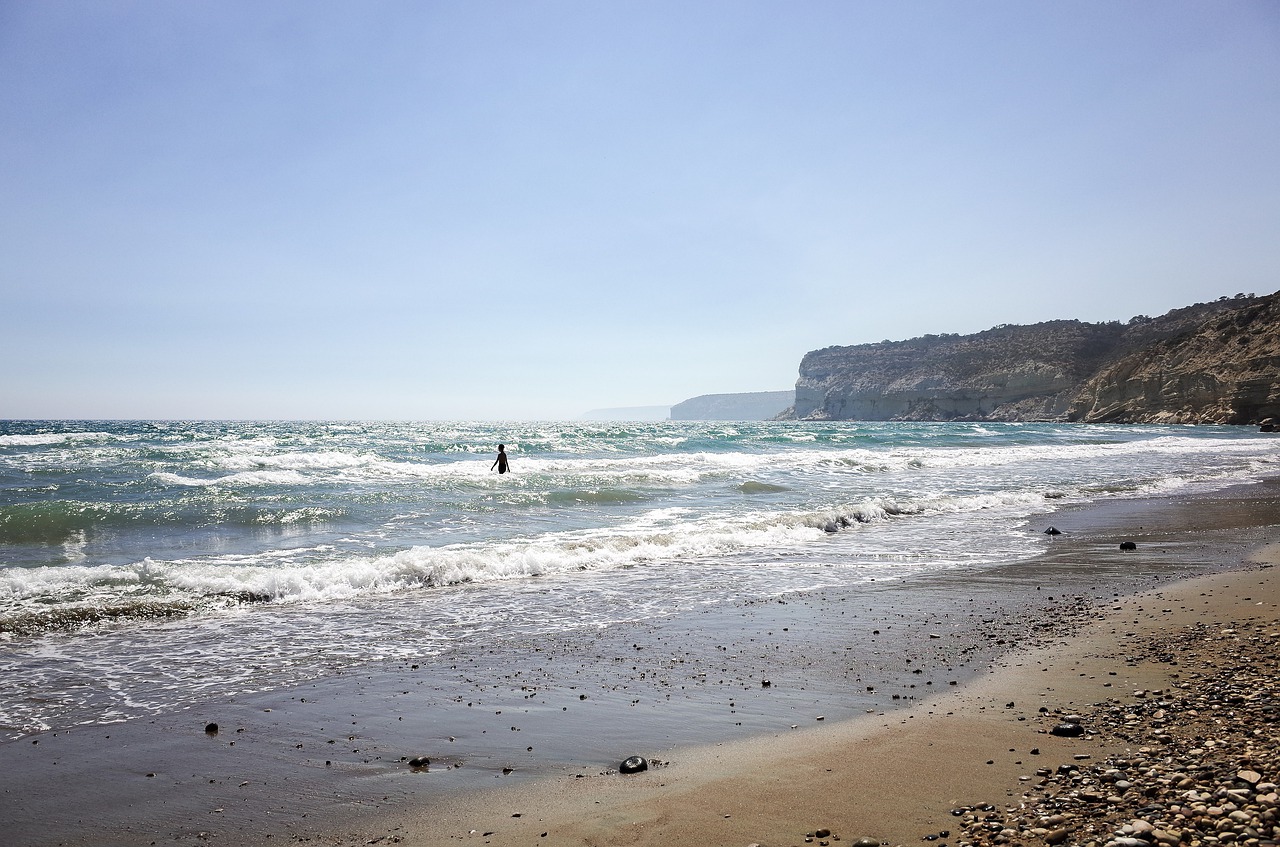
[532, 209]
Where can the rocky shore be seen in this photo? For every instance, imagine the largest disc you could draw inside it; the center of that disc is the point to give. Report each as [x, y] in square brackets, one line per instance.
[1203, 766]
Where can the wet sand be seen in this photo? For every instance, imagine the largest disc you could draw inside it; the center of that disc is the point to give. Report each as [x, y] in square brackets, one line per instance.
[898, 778]
[883, 711]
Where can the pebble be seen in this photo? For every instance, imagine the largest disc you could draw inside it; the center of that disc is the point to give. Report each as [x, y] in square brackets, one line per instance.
[633, 764]
[1200, 766]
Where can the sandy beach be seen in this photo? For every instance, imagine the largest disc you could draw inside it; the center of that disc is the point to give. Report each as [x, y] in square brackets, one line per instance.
[941, 733]
[899, 778]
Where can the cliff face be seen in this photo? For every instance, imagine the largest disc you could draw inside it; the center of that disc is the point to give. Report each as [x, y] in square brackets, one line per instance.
[1062, 370]
[1004, 373]
[1226, 371]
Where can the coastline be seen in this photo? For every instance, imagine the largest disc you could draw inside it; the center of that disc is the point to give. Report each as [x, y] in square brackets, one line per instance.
[876, 762]
[899, 778]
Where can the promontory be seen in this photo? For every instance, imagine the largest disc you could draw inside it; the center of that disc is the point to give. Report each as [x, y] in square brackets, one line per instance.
[1216, 362]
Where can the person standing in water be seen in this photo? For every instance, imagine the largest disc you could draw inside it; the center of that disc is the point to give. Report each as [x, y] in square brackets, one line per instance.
[501, 462]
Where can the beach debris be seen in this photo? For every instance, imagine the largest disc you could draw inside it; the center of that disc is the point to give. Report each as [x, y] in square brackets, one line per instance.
[1053, 530]
[633, 764]
[1128, 545]
[211, 729]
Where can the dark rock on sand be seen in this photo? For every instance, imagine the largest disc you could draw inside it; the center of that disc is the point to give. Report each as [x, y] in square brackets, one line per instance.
[634, 764]
[211, 729]
[1128, 545]
[1053, 530]
[1067, 730]
[419, 762]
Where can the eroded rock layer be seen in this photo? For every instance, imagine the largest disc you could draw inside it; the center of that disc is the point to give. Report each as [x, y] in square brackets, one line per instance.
[1209, 363]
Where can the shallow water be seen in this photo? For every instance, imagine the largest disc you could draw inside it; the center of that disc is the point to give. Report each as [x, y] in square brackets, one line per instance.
[146, 567]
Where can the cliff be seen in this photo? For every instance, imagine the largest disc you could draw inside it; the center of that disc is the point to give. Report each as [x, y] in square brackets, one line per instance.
[1181, 366]
[753, 406]
[1225, 371]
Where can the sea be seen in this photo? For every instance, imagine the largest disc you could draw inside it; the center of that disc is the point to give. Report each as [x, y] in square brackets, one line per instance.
[146, 566]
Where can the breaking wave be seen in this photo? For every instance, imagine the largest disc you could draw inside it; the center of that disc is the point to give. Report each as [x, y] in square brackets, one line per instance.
[69, 596]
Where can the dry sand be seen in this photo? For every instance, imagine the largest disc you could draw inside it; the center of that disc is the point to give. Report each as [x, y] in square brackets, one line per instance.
[893, 777]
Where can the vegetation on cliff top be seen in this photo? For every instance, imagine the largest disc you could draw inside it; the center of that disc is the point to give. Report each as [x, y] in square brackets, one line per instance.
[1207, 363]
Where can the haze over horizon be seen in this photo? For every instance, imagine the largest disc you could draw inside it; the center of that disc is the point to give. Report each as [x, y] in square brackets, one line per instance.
[491, 210]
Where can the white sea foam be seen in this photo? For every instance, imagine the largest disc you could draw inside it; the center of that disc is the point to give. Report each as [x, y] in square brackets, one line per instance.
[293, 461]
[236, 479]
[322, 573]
[45, 439]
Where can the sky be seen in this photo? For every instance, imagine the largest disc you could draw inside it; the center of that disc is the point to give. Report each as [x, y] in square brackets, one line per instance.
[528, 210]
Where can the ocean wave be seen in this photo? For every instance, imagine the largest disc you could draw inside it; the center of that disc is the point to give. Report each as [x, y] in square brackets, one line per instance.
[31, 598]
[753, 487]
[327, 460]
[242, 478]
[66, 522]
[46, 439]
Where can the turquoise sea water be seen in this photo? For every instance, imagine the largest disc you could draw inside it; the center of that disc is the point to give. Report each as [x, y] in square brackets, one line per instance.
[130, 550]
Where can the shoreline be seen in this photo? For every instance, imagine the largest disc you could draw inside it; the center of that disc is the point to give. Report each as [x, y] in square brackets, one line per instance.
[976, 766]
[897, 777]
[283, 768]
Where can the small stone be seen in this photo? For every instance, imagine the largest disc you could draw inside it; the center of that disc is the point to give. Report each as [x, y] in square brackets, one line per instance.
[1250, 777]
[1067, 730]
[419, 762]
[211, 729]
[633, 764]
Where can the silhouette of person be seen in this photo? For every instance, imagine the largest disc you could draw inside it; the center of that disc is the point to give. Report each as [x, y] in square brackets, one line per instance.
[501, 462]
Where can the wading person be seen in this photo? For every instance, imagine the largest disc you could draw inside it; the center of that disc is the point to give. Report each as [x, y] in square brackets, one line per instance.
[501, 462]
